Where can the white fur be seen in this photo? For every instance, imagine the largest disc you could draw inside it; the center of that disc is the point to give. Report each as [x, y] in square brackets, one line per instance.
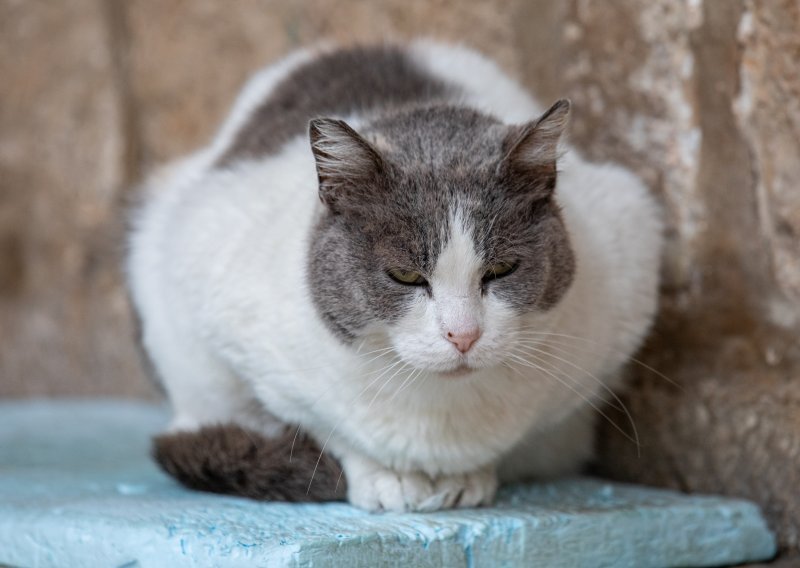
[216, 269]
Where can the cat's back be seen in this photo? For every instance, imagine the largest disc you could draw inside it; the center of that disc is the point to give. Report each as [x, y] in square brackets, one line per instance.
[261, 155]
[347, 83]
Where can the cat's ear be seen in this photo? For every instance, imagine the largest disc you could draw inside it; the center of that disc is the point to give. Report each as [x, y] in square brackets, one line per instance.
[345, 160]
[532, 149]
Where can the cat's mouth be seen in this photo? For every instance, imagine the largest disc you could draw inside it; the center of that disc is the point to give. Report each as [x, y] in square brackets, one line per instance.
[458, 372]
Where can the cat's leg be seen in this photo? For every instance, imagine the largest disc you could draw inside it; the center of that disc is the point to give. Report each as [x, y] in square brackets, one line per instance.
[560, 450]
[374, 487]
[221, 439]
[201, 389]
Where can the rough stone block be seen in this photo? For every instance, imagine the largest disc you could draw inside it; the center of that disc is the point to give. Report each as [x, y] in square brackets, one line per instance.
[64, 324]
[79, 490]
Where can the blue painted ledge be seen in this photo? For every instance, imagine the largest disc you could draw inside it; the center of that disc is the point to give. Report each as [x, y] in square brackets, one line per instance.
[77, 489]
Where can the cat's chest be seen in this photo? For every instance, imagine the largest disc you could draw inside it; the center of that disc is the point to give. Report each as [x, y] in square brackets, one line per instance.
[421, 423]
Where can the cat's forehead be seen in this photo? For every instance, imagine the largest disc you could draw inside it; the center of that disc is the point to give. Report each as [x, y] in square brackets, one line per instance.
[444, 182]
[438, 136]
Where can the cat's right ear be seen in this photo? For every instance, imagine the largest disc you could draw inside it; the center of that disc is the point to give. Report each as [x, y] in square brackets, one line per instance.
[346, 162]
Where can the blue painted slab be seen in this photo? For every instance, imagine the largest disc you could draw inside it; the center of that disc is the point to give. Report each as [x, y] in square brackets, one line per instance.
[77, 489]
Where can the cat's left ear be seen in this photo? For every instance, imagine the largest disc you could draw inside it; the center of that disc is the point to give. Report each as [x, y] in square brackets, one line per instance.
[532, 149]
[346, 162]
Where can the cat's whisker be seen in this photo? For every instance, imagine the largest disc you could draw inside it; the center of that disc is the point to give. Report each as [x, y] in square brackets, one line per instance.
[621, 406]
[413, 380]
[422, 373]
[410, 377]
[420, 384]
[530, 330]
[327, 391]
[360, 345]
[338, 480]
[319, 459]
[531, 350]
[488, 234]
[536, 345]
[634, 360]
[547, 335]
[338, 422]
[496, 239]
[294, 441]
[389, 380]
[375, 358]
[381, 351]
[382, 370]
[526, 363]
[549, 369]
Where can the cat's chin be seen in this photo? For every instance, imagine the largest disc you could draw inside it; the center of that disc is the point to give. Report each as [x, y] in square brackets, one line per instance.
[457, 373]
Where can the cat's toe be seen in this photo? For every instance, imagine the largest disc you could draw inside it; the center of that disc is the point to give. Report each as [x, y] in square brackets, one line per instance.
[405, 492]
[451, 489]
[386, 490]
[366, 492]
[480, 489]
[419, 493]
[470, 490]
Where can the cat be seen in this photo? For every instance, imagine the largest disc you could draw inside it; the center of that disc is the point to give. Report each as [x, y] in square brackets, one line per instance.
[388, 262]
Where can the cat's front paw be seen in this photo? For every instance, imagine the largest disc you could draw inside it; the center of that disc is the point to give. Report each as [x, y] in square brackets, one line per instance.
[376, 488]
[385, 490]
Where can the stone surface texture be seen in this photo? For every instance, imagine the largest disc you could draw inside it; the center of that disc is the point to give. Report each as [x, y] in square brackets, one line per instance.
[701, 98]
[85, 493]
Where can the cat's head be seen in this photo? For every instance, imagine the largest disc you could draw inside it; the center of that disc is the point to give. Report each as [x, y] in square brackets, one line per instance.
[440, 231]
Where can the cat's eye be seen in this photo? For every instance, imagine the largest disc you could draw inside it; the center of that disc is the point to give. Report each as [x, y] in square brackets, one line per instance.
[407, 277]
[498, 270]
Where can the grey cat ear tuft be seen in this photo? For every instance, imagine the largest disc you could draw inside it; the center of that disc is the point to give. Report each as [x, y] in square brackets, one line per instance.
[550, 127]
[536, 143]
[344, 159]
[532, 149]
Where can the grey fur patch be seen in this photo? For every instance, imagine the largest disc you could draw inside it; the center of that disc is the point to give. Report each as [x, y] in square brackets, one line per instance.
[533, 149]
[232, 460]
[359, 79]
[433, 158]
[343, 159]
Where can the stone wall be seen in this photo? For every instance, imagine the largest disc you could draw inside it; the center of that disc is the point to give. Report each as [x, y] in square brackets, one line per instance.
[701, 98]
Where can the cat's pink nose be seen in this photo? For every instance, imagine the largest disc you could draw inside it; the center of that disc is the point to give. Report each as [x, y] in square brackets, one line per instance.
[464, 339]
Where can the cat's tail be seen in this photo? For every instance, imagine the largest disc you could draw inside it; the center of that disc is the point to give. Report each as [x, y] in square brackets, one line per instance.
[233, 460]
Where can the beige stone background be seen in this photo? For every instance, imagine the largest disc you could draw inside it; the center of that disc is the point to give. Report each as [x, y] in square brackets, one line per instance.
[701, 98]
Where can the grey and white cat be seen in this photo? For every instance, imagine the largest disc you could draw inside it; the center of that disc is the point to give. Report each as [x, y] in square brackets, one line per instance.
[379, 248]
